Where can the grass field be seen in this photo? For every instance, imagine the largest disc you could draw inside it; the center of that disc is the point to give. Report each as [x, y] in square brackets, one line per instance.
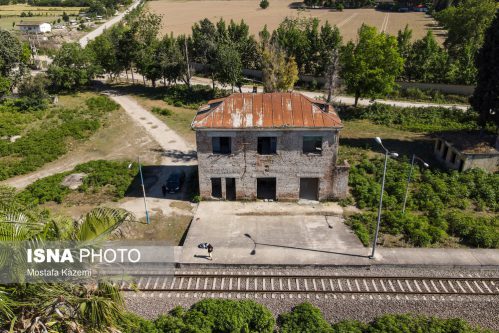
[180, 15]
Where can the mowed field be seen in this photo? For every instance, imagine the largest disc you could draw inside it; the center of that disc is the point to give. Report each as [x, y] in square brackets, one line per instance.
[180, 15]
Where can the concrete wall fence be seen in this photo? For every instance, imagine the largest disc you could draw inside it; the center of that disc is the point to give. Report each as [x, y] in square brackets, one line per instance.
[442, 87]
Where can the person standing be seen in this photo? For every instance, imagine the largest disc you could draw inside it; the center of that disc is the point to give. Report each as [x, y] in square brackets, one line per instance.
[163, 189]
[210, 250]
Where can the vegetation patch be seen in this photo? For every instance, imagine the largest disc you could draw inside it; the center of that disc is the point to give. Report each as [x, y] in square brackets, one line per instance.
[224, 316]
[112, 177]
[422, 119]
[45, 134]
[440, 205]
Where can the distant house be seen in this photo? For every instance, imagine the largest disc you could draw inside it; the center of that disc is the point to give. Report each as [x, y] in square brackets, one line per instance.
[34, 27]
[467, 150]
[272, 146]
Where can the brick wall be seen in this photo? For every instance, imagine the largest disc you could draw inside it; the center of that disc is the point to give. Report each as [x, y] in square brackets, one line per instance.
[287, 166]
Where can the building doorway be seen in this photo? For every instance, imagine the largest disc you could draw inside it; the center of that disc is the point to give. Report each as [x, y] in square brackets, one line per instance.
[230, 189]
[309, 188]
[266, 188]
[216, 188]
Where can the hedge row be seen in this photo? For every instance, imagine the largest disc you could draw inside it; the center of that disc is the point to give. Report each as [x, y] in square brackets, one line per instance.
[229, 316]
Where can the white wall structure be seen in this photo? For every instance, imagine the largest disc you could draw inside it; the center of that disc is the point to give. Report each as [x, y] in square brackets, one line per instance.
[35, 27]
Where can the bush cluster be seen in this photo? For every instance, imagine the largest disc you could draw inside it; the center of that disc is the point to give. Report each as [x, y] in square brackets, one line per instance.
[114, 176]
[181, 96]
[429, 119]
[209, 315]
[48, 140]
[228, 316]
[162, 111]
[439, 198]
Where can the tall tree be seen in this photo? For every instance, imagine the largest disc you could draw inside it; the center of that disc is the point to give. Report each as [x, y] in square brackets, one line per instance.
[228, 66]
[72, 67]
[427, 61]
[280, 72]
[485, 99]
[370, 67]
[329, 66]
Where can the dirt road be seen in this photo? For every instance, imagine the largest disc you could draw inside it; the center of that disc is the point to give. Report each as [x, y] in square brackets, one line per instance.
[97, 32]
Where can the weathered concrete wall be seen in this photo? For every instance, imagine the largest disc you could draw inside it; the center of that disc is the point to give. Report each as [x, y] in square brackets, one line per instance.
[287, 166]
[488, 162]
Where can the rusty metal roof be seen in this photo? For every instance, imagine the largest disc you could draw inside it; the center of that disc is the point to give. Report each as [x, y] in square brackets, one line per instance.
[266, 110]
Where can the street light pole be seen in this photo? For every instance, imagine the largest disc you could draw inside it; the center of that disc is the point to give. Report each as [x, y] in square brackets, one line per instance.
[143, 191]
[414, 157]
[387, 152]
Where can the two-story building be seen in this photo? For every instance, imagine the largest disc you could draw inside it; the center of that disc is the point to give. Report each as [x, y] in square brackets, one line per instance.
[273, 146]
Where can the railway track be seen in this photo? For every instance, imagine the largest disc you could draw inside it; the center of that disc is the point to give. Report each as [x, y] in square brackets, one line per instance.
[311, 284]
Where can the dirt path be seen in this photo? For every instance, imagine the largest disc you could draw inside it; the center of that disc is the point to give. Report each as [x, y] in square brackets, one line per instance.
[121, 139]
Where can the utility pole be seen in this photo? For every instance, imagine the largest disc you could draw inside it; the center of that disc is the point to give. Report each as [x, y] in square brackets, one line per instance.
[143, 191]
[188, 81]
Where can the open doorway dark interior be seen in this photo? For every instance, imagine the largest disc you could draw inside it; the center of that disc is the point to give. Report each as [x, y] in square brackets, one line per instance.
[309, 188]
[230, 189]
[266, 188]
[216, 187]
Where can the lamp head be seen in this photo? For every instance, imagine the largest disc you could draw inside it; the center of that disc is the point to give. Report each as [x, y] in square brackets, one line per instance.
[394, 155]
[426, 165]
[378, 139]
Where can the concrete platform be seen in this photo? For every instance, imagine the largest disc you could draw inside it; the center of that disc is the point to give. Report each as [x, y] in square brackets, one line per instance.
[290, 234]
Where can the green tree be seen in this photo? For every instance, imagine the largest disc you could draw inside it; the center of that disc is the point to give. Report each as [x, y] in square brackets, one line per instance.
[72, 67]
[427, 61]
[32, 92]
[12, 54]
[485, 99]
[466, 23]
[370, 67]
[280, 72]
[404, 43]
[330, 44]
[228, 66]
[104, 52]
[171, 59]
[264, 4]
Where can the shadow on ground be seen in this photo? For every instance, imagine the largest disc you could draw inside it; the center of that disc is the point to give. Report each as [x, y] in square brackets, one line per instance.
[156, 175]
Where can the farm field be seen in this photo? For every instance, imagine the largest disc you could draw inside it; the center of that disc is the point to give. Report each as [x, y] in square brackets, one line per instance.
[12, 14]
[179, 16]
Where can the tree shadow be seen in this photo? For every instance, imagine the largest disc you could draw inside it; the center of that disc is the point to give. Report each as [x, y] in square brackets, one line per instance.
[178, 155]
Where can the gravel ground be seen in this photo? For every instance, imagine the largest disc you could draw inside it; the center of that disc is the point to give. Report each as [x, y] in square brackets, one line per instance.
[477, 310]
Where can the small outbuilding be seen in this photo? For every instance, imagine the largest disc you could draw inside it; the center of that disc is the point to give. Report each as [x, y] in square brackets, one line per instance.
[467, 150]
[35, 27]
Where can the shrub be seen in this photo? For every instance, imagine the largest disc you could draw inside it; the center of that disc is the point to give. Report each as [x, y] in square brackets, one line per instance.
[234, 316]
[432, 194]
[304, 318]
[45, 190]
[340, 7]
[162, 111]
[102, 104]
[422, 119]
[264, 4]
[115, 176]
[132, 323]
[181, 96]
